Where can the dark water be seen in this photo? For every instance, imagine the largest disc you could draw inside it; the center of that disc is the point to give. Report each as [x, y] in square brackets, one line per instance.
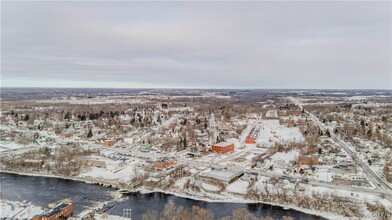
[42, 190]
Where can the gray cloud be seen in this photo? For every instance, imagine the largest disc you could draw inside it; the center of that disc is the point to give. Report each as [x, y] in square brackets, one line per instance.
[205, 44]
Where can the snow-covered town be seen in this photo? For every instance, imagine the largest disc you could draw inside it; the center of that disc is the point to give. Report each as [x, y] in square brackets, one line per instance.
[325, 153]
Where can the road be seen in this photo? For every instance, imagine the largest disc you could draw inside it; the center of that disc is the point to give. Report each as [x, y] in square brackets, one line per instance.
[213, 129]
[138, 154]
[350, 189]
[248, 129]
[378, 182]
[10, 152]
[233, 155]
[373, 177]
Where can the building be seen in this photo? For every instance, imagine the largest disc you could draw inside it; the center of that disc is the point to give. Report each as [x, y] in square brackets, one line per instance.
[146, 148]
[250, 140]
[225, 176]
[102, 162]
[295, 112]
[222, 147]
[249, 176]
[302, 121]
[163, 163]
[308, 160]
[61, 210]
[110, 143]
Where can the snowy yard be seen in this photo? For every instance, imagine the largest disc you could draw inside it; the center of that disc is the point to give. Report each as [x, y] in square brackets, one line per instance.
[125, 174]
[18, 210]
[238, 186]
[286, 157]
[271, 131]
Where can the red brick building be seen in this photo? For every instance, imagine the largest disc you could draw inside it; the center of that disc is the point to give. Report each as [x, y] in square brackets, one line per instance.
[62, 210]
[110, 143]
[250, 140]
[163, 163]
[222, 147]
[308, 160]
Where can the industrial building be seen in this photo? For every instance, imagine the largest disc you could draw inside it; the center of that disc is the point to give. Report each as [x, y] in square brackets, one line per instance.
[222, 147]
[163, 163]
[224, 175]
[250, 140]
[61, 210]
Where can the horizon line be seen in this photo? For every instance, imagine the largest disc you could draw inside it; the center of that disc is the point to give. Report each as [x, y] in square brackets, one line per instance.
[184, 88]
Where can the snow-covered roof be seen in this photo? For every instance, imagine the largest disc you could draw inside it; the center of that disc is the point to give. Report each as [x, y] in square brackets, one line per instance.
[222, 144]
[223, 175]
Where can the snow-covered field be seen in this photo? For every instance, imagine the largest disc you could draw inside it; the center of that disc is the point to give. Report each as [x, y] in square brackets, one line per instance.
[125, 174]
[210, 187]
[286, 157]
[271, 132]
[238, 186]
[18, 210]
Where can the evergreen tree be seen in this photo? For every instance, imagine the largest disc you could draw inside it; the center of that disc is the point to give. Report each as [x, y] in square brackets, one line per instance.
[362, 123]
[67, 116]
[328, 133]
[321, 133]
[27, 117]
[90, 133]
[92, 116]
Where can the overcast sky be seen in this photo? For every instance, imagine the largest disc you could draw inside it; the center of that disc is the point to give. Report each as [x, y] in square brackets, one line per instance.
[318, 45]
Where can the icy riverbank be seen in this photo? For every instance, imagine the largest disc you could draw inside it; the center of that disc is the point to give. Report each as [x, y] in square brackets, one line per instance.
[216, 198]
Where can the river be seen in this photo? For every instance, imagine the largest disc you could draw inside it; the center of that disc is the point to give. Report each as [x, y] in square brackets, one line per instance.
[42, 190]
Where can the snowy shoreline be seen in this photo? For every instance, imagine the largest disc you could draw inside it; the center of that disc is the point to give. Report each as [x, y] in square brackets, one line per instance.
[187, 196]
[247, 201]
